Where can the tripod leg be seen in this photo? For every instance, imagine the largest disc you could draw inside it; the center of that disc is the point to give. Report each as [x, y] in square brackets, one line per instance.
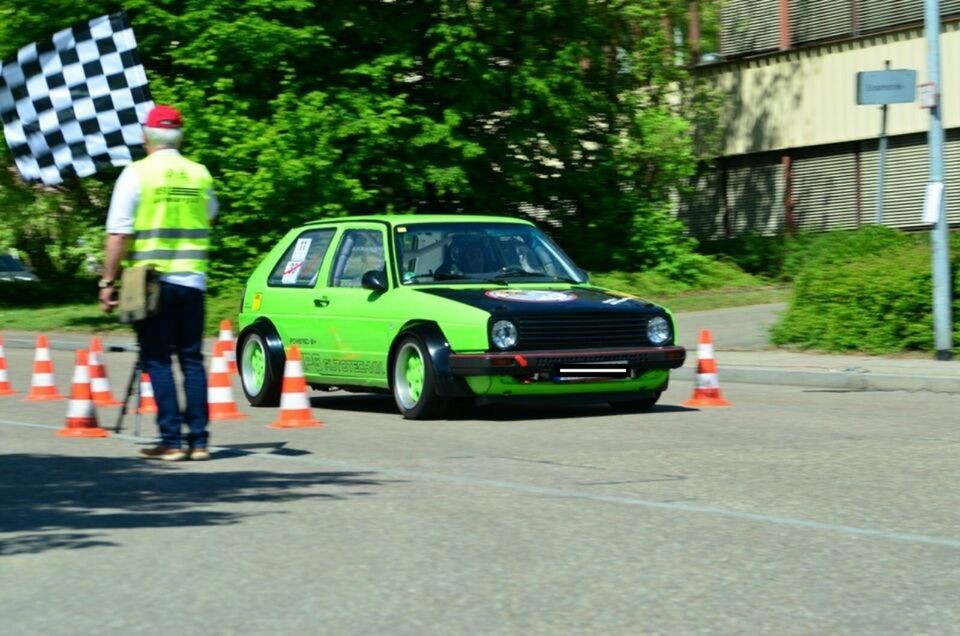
[132, 388]
[137, 415]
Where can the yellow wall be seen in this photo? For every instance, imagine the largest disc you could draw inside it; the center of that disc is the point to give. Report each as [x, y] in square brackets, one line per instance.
[808, 97]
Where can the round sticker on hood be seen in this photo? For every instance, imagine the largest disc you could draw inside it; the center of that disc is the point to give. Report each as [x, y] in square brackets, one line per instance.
[531, 295]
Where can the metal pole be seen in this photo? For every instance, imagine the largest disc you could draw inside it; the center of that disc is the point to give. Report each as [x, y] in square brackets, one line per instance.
[883, 157]
[940, 238]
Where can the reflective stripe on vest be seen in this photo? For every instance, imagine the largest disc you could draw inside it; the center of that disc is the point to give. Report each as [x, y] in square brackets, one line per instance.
[171, 228]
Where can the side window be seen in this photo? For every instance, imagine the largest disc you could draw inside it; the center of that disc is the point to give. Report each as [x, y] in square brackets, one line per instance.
[360, 251]
[300, 264]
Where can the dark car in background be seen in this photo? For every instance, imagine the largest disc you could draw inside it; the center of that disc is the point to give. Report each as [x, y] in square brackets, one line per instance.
[13, 271]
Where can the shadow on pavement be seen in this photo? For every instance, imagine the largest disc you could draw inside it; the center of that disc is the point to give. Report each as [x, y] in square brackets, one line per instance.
[60, 502]
[505, 410]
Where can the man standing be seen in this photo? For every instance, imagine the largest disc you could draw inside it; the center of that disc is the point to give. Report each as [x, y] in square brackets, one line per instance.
[160, 215]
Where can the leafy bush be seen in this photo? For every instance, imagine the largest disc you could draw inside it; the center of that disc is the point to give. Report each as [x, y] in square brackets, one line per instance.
[753, 253]
[709, 274]
[869, 290]
[782, 257]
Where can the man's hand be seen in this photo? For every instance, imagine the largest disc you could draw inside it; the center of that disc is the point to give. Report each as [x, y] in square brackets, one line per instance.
[108, 299]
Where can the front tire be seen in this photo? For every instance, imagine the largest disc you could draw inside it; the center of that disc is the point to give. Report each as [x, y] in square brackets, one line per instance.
[258, 364]
[414, 381]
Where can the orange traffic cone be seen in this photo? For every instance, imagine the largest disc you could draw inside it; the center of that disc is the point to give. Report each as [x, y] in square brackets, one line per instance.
[99, 384]
[294, 404]
[229, 351]
[81, 414]
[148, 403]
[5, 388]
[706, 387]
[42, 385]
[219, 389]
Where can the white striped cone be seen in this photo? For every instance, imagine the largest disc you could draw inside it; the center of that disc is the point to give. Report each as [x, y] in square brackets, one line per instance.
[42, 385]
[99, 384]
[706, 388]
[81, 413]
[229, 351]
[5, 388]
[294, 403]
[148, 403]
[220, 400]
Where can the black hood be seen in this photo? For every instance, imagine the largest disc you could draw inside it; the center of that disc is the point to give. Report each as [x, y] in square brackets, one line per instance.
[513, 300]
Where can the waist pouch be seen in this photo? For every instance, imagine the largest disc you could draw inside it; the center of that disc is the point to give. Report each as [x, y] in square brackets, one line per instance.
[139, 293]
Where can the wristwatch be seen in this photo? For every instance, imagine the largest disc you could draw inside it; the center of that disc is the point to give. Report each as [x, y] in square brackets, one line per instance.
[103, 284]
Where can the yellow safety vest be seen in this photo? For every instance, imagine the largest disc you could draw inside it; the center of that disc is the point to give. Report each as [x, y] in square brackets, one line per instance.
[171, 227]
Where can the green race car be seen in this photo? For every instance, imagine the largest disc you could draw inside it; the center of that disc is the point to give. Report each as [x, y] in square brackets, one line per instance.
[444, 309]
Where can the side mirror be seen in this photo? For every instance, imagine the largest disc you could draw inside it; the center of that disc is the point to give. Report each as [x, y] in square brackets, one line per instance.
[375, 280]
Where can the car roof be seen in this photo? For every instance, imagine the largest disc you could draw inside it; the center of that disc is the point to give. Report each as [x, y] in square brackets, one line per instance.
[394, 220]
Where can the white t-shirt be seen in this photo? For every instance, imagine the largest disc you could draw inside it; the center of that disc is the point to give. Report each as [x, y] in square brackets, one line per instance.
[123, 209]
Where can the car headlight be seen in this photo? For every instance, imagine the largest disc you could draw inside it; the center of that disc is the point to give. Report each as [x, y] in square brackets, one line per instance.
[503, 334]
[658, 330]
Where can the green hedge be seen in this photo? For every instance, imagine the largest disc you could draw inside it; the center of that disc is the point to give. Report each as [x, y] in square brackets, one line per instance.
[868, 290]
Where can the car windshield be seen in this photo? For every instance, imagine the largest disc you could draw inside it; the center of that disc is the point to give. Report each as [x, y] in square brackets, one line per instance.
[480, 252]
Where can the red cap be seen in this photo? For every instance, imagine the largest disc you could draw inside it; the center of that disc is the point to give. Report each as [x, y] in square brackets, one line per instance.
[164, 117]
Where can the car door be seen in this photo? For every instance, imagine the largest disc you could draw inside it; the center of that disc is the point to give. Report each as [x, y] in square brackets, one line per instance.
[292, 282]
[355, 323]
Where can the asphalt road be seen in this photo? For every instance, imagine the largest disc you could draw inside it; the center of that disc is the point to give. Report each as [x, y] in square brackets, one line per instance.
[795, 511]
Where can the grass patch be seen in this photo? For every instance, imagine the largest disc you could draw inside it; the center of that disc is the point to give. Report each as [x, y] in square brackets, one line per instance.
[723, 284]
[724, 298]
[87, 317]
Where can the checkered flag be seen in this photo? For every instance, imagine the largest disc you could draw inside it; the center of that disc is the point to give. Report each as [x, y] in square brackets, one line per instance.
[73, 104]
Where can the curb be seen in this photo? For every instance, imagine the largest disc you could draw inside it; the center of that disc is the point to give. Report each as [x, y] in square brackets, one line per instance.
[845, 380]
[66, 345]
[837, 380]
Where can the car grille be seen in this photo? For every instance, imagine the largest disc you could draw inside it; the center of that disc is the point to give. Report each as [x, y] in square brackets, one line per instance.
[581, 331]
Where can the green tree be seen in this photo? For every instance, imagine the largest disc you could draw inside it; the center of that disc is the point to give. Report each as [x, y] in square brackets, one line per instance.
[572, 112]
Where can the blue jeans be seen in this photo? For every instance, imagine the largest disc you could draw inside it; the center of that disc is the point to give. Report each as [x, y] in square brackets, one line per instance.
[177, 328]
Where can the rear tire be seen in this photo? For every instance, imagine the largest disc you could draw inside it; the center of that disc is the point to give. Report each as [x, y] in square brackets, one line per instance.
[260, 366]
[414, 381]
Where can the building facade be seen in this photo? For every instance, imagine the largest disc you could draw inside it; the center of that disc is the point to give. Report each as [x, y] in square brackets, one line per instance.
[798, 153]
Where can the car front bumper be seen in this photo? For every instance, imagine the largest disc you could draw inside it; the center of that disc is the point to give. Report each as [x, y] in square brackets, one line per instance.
[556, 364]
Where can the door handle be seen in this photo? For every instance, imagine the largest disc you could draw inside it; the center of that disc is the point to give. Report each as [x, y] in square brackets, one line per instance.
[321, 302]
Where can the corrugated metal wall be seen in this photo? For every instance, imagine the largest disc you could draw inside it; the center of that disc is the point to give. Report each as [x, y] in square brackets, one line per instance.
[749, 26]
[824, 183]
[702, 209]
[825, 188]
[879, 15]
[883, 15]
[905, 178]
[809, 23]
[951, 175]
[801, 103]
[755, 188]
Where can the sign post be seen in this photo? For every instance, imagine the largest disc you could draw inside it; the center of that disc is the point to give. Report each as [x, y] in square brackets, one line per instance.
[939, 235]
[885, 87]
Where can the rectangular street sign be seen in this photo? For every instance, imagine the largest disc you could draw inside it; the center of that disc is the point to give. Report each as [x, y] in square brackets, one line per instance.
[898, 86]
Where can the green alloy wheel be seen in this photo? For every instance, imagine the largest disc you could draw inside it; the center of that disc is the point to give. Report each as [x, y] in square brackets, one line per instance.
[258, 377]
[414, 381]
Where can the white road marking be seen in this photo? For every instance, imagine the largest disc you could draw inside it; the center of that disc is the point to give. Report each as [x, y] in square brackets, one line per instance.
[565, 494]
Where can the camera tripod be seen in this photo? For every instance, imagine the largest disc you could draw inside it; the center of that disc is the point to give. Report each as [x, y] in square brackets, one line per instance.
[133, 390]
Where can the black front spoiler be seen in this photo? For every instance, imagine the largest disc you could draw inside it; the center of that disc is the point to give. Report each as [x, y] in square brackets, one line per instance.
[529, 363]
